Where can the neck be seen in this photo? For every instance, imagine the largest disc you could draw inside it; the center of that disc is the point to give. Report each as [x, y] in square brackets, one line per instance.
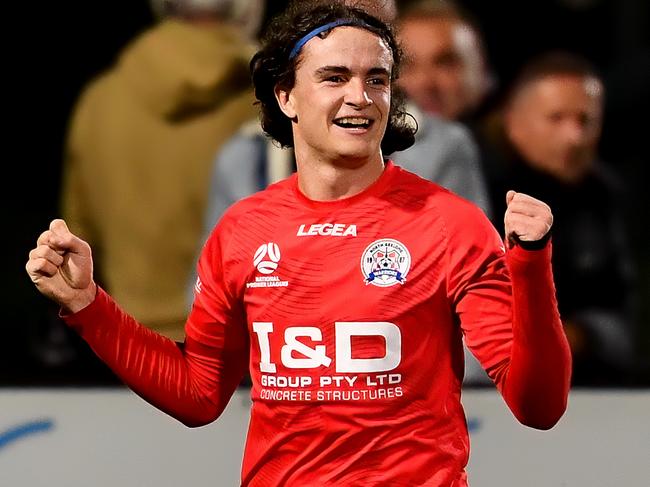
[322, 180]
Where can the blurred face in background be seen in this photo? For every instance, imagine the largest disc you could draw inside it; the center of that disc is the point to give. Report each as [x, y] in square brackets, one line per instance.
[444, 70]
[555, 123]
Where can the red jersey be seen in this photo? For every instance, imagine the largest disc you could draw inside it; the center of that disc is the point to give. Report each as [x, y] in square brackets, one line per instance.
[349, 315]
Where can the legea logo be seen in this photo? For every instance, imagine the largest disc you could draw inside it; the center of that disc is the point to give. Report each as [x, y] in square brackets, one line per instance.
[267, 257]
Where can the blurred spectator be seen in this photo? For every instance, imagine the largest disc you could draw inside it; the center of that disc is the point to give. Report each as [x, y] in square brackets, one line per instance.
[544, 142]
[444, 78]
[154, 119]
[446, 72]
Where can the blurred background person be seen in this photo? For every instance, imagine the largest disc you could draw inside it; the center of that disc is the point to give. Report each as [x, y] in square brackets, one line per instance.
[140, 145]
[544, 141]
[444, 77]
[446, 72]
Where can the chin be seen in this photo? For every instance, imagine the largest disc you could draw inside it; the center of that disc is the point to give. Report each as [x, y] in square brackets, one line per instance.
[358, 154]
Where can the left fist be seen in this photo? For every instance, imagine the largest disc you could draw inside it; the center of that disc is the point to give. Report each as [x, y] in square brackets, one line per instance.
[527, 219]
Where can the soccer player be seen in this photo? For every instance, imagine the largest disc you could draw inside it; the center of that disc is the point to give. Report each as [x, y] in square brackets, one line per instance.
[345, 289]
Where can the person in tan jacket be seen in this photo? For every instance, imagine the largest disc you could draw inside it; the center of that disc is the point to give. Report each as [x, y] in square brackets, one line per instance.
[139, 151]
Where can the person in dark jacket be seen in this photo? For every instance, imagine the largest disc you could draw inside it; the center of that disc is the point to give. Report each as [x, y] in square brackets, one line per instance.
[544, 142]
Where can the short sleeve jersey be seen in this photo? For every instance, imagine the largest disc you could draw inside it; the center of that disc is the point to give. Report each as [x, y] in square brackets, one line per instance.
[352, 314]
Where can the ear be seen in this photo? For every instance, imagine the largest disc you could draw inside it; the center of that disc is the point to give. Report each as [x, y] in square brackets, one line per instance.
[285, 101]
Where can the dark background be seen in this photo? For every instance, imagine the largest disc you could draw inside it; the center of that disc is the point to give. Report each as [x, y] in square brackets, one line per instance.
[53, 49]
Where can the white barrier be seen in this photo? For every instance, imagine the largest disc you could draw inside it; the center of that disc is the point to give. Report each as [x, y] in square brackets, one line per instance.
[111, 437]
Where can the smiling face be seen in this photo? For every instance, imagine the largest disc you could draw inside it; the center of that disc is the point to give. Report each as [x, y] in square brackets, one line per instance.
[340, 100]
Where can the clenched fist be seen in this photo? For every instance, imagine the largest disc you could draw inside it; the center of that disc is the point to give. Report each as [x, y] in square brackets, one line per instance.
[527, 219]
[61, 267]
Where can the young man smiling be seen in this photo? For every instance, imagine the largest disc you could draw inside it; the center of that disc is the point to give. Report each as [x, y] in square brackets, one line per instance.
[342, 93]
[353, 339]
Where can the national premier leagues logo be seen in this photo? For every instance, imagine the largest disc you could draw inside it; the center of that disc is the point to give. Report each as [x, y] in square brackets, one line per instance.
[267, 257]
[385, 263]
[266, 260]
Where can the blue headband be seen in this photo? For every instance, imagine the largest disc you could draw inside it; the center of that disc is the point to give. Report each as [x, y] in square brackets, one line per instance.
[310, 35]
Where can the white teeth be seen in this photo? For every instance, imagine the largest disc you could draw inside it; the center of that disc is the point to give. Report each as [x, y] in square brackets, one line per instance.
[354, 120]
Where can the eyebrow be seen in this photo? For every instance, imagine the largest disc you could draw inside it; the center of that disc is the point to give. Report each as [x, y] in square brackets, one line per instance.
[326, 70]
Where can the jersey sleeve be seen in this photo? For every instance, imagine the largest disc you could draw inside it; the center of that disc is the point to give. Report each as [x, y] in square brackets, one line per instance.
[479, 288]
[192, 381]
[217, 317]
[507, 309]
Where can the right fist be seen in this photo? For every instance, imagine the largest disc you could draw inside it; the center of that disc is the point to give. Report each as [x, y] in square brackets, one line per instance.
[61, 267]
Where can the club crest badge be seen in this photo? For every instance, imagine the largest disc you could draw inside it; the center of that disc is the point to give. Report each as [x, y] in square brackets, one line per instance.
[385, 262]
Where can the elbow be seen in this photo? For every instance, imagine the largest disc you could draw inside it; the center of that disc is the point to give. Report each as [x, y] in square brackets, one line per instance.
[543, 424]
[542, 419]
[196, 421]
[201, 417]
[194, 424]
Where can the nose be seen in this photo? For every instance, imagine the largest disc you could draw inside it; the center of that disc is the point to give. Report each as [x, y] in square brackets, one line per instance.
[357, 94]
[574, 132]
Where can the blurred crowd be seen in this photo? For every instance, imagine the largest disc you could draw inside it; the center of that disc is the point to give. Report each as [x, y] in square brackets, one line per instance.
[161, 140]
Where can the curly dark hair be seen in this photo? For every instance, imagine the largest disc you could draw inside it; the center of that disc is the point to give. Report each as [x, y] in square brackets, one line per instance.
[272, 66]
